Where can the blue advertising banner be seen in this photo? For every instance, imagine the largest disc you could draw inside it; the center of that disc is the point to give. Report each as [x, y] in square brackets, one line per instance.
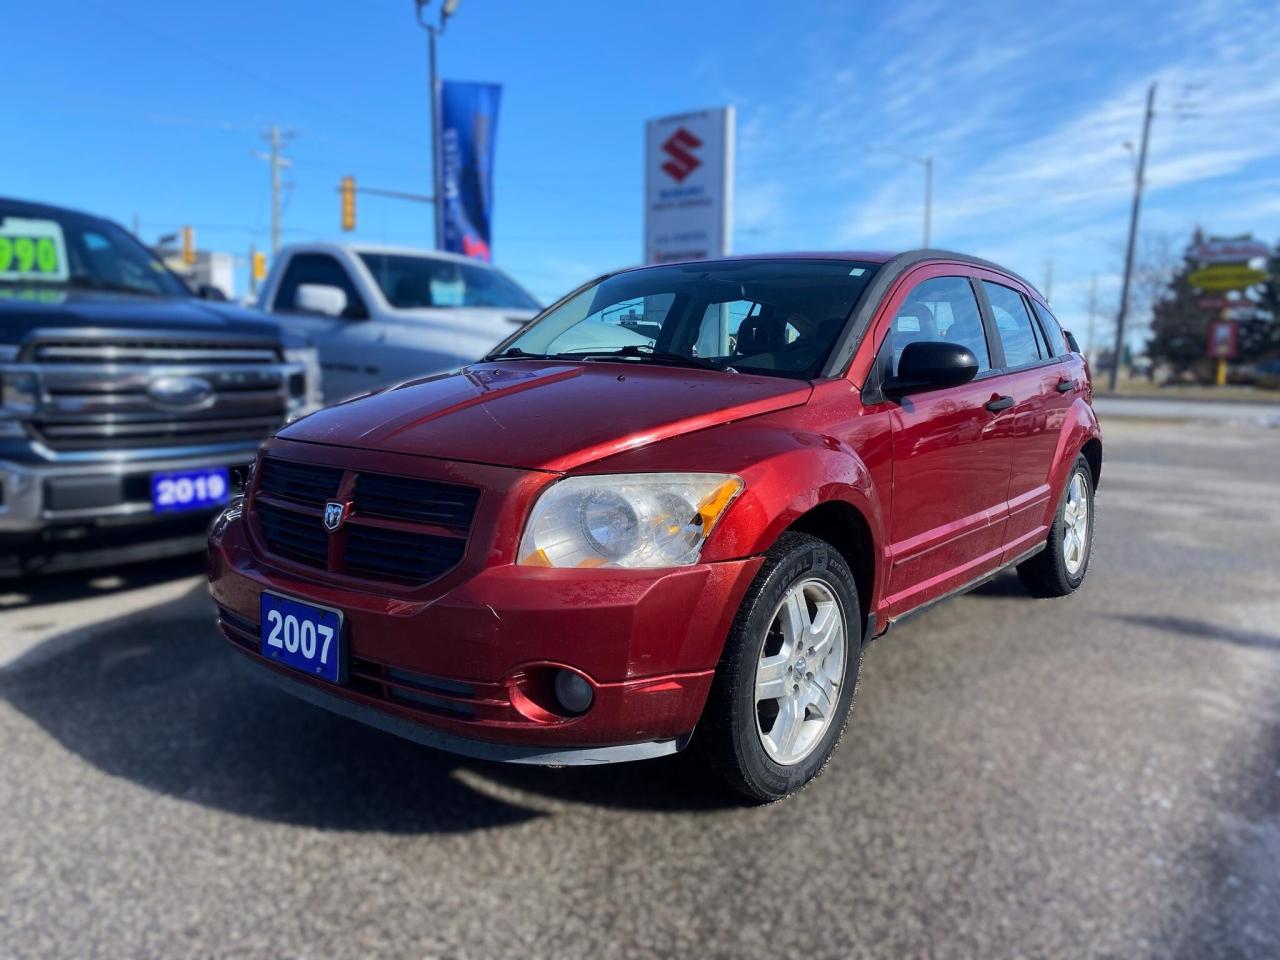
[468, 123]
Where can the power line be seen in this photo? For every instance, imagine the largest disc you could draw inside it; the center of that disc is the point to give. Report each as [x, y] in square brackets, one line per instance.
[171, 41]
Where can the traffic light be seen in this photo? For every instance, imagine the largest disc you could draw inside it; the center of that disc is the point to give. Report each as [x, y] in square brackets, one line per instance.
[259, 265]
[348, 191]
[188, 246]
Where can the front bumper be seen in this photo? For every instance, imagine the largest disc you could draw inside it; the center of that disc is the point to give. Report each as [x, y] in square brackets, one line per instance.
[468, 671]
[73, 514]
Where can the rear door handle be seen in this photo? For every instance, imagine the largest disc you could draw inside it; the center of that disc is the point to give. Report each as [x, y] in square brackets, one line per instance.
[996, 404]
[1066, 386]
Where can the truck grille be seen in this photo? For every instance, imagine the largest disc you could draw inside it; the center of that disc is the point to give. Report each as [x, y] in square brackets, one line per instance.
[102, 393]
[401, 529]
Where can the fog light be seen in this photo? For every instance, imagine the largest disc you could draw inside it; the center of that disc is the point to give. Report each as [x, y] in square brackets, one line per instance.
[573, 692]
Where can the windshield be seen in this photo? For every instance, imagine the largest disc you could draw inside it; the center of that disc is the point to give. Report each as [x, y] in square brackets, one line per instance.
[775, 317]
[408, 281]
[56, 248]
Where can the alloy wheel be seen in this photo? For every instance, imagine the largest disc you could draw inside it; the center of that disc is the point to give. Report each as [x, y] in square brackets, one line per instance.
[800, 672]
[1075, 524]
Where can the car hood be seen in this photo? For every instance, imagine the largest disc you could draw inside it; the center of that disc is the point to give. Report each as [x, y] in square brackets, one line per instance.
[545, 415]
[490, 324]
[23, 309]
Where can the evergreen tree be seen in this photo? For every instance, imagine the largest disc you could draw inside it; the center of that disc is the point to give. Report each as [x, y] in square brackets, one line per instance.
[1179, 328]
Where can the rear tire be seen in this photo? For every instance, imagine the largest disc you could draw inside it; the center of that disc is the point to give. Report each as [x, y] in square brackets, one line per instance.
[1060, 568]
[797, 635]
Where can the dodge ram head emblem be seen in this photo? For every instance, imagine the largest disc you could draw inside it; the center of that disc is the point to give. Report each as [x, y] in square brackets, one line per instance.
[335, 513]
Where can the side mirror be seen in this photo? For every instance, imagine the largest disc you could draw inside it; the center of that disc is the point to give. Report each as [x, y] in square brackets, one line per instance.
[320, 298]
[931, 365]
[208, 291]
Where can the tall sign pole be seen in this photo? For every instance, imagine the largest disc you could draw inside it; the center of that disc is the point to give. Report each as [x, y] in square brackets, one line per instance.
[447, 9]
[1133, 237]
[435, 132]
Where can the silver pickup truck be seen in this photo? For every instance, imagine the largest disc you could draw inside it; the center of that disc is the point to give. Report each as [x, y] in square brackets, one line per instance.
[129, 408]
[383, 315]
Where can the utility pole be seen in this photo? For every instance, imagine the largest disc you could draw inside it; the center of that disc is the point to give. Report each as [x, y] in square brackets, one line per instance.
[1048, 280]
[447, 8]
[1138, 177]
[276, 140]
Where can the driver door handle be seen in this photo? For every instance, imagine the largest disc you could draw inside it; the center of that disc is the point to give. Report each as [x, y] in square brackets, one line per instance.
[996, 404]
[1066, 385]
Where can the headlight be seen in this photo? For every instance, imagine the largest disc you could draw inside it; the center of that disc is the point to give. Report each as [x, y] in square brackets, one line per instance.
[310, 396]
[19, 393]
[626, 519]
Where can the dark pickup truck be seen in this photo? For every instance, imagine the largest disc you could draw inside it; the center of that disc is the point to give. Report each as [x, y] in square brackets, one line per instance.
[129, 407]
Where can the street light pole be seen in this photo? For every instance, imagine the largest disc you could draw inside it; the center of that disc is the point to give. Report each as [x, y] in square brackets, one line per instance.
[1133, 237]
[447, 8]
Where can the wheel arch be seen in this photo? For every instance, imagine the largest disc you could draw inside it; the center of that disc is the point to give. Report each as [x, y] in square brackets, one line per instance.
[843, 525]
[1092, 452]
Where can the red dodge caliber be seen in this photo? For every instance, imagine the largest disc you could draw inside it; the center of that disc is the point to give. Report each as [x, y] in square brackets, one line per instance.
[671, 510]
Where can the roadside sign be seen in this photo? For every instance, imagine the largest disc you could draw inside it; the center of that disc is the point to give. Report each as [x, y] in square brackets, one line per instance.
[688, 180]
[1224, 338]
[1229, 250]
[1226, 277]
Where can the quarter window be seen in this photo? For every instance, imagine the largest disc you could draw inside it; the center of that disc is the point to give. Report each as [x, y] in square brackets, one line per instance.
[1053, 331]
[943, 309]
[1014, 324]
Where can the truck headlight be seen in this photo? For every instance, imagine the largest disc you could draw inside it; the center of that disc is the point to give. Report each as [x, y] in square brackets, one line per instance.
[626, 519]
[19, 397]
[310, 396]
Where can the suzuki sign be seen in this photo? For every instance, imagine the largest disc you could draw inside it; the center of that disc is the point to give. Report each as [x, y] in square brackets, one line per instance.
[688, 183]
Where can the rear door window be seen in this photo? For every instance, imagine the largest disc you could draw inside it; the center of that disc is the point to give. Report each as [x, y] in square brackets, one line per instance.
[1014, 325]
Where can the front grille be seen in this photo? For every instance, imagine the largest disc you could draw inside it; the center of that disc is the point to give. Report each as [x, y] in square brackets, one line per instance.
[299, 482]
[296, 535]
[415, 557]
[422, 501]
[152, 351]
[98, 393]
[400, 529]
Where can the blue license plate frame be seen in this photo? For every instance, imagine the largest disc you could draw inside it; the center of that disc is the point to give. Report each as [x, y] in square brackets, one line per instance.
[198, 488]
[283, 634]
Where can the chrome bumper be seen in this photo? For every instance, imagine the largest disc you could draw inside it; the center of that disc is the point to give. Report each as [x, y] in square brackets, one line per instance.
[25, 488]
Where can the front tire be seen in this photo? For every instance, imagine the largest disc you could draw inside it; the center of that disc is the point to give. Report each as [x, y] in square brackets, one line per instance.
[786, 680]
[1060, 568]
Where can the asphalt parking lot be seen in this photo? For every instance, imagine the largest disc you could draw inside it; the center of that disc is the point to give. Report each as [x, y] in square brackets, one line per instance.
[1098, 776]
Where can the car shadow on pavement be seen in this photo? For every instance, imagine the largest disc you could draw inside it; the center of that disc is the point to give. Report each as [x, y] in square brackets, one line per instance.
[1201, 629]
[1006, 584]
[41, 590]
[156, 700]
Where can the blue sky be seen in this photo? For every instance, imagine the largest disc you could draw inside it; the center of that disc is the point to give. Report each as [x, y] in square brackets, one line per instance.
[153, 110]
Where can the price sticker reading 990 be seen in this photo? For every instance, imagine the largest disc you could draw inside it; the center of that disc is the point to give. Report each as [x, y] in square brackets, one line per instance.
[32, 250]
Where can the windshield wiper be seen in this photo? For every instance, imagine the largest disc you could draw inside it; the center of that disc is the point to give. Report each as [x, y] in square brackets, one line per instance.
[515, 353]
[648, 353]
